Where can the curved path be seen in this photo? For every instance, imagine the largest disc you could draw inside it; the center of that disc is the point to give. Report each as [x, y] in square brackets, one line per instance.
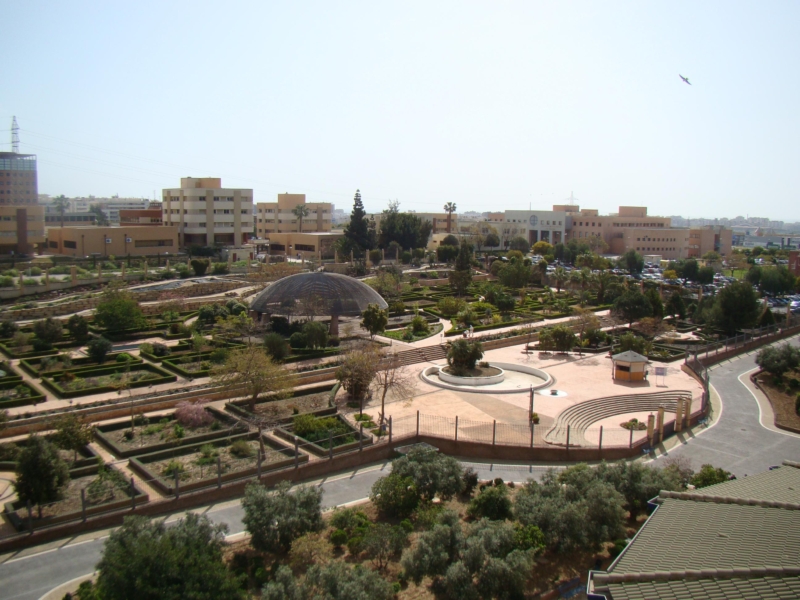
[736, 441]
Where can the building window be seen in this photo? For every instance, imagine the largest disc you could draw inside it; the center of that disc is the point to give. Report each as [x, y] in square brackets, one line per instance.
[150, 243]
[68, 244]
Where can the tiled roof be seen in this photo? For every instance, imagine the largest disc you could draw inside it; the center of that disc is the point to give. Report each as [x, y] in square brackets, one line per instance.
[705, 535]
[630, 356]
[765, 588]
[778, 485]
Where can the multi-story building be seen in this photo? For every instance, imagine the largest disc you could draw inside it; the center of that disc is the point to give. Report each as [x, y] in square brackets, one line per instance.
[709, 239]
[207, 214]
[120, 241]
[53, 217]
[21, 218]
[439, 221]
[533, 225]
[277, 217]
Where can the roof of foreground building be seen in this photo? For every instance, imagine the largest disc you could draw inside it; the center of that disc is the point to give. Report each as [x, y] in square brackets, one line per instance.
[336, 294]
[737, 539]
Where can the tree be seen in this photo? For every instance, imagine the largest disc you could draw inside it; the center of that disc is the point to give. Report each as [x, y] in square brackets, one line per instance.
[492, 503]
[654, 298]
[542, 248]
[406, 229]
[446, 254]
[462, 355]
[41, 474]
[73, 435]
[100, 218]
[712, 256]
[301, 212]
[608, 287]
[118, 310]
[766, 319]
[632, 306]
[597, 244]
[316, 333]
[48, 331]
[450, 240]
[461, 275]
[690, 269]
[382, 541]
[449, 208]
[519, 243]
[434, 474]
[705, 275]
[357, 370]
[632, 261]
[356, 232]
[563, 338]
[374, 319]
[631, 341]
[778, 359]
[675, 306]
[275, 519]
[61, 204]
[736, 307]
[146, 560]
[708, 475]
[98, 349]
[392, 375]
[514, 274]
[559, 276]
[78, 328]
[331, 581]
[777, 280]
[253, 369]
[276, 346]
[395, 495]
[491, 240]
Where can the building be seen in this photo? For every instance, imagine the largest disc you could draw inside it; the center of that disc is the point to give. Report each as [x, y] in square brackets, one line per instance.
[139, 240]
[53, 217]
[22, 229]
[439, 221]
[206, 214]
[534, 226]
[710, 238]
[307, 245]
[140, 217]
[794, 263]
[18, 179]
[731, 540]
[277, 217]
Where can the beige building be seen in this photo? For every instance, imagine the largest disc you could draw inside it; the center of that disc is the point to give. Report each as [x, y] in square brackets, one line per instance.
[439, 222]
[207, 214]
[710, 239]
[18, 179]
[277, 217]
[22, 229]
[138, 240]
[140, 217]
[315, 244]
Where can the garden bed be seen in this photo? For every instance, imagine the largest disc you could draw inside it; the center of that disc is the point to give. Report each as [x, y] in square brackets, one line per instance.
[343, 436]
[19, 393]
[783, 396]
[158, 433]
[87, 457]
[113, 493]
[196, 465]
[107, 379]
[302, 401]
[53, 366]
[10, 373]
[399, 334]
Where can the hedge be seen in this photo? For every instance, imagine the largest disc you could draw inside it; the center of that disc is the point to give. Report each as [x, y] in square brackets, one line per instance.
[164, 377]
[32, 366]
[35, 398]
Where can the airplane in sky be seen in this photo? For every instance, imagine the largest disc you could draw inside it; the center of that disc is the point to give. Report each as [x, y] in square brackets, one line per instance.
[685, 79]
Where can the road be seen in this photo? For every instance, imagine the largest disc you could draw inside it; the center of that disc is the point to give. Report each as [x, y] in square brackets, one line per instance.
[737, 442]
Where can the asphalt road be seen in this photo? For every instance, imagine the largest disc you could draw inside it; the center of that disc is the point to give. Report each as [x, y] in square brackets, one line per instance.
[736, 442]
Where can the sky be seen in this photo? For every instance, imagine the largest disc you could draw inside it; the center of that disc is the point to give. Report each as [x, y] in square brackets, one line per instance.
[491, 105]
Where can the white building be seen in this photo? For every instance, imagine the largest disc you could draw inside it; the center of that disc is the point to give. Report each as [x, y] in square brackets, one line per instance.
[534, 225]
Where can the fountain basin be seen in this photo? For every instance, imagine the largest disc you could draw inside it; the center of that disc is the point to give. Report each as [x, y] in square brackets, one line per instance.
[473, 381]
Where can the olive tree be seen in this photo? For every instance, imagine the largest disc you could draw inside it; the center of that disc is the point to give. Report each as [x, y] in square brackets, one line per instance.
[276, 518]
[41, 474]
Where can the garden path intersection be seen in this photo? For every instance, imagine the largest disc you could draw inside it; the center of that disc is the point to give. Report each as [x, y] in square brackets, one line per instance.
[735, 440]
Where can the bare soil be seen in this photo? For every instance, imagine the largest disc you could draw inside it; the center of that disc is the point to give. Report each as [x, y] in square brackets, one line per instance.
[476, 372]
[280, 409]
[71, 501]
[166, 434]
[783, 401]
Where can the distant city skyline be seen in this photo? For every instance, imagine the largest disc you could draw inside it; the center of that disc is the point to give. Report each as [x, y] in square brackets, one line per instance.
[490, 106]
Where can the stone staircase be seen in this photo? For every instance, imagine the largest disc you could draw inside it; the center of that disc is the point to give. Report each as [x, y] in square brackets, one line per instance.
[423, 354]
[581, 416]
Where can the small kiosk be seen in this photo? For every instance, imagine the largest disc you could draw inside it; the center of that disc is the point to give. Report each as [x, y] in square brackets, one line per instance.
[629, 366]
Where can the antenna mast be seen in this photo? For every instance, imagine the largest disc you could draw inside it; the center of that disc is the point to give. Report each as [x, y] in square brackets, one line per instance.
[14, 135]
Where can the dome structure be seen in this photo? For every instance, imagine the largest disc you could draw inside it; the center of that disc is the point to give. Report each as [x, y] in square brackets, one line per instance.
[337, 295]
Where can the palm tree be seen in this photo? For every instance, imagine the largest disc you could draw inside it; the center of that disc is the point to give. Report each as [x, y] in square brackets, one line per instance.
[301, 212]
[61, 203]
[449, 208]
[606, 281]
[559, 276]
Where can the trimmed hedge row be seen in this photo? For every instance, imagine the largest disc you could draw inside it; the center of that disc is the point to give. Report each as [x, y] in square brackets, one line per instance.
[35, 398]
[32, 366]
[163, 377]
[10, 373]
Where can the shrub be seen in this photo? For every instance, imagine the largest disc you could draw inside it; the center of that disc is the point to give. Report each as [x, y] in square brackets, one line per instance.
[218, 356]
[449, 307]
[146, 347]
[173, 468]
[419, 325]
[48, 331]
[6, 281]
[470, 478]
[276, 346]
[492, 503]
[241, 449]
[178, 431]
[8, 328]
[160, 349]
[298, 340]
[395, 495]
[193, 414]
[124, 357]
[220, 268]
[200, 266]
[333, 341]
[78, 328]
[338, 538]
[316, 334]
[98, 348]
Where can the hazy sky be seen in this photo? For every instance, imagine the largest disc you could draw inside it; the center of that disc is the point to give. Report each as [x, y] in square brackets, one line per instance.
[492, 105]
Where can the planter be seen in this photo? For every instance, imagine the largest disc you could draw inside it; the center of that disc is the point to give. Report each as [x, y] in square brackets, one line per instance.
[473, 381]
